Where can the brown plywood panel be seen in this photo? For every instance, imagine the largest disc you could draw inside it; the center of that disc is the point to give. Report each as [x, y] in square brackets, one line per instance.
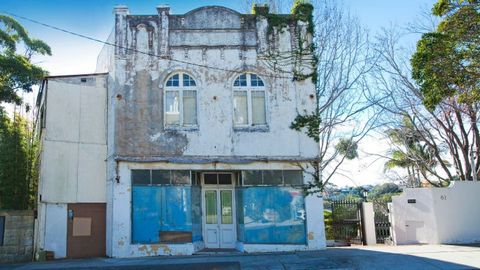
[86, 230]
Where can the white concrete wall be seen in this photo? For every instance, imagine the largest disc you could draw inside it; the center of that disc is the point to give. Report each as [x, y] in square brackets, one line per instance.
[439, 216]
[74, 143]
[368, 222]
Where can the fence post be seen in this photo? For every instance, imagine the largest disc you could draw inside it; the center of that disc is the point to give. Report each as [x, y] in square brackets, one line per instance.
[368, 221]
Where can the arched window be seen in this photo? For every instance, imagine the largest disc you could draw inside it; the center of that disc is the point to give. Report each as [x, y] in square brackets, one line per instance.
[180, 105]
[249, 100]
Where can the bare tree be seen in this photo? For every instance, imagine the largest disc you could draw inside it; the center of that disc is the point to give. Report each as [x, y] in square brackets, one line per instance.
[449, 132]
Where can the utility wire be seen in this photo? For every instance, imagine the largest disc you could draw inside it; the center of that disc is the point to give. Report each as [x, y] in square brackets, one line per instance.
[138, 51]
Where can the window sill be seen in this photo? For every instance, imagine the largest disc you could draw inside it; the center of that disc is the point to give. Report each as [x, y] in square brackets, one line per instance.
[251, 129]
[181, 128]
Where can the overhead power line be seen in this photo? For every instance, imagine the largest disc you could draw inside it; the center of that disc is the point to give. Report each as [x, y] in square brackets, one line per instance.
[166, 58]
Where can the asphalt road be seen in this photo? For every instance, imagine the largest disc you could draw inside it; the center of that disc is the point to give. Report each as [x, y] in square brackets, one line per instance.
[424, 257]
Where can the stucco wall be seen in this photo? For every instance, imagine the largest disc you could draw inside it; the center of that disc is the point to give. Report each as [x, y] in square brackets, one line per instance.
[74, 141]
[438, 216]
[214, 37]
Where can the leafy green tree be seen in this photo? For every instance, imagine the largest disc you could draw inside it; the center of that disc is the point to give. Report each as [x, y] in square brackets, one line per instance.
[446, 63]
[17, 73]
[18, 163]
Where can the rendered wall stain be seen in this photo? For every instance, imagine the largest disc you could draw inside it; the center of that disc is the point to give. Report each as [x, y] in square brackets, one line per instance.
[216, 37]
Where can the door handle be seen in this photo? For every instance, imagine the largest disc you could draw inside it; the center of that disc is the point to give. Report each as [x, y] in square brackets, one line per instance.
[71, 214]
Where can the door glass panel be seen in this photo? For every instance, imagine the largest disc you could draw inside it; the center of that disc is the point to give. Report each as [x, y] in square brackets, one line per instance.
[224, 179]
[226, 200]
[211, 206]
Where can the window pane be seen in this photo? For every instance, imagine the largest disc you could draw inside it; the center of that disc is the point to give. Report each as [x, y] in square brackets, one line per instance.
[226, 200]
[188, 81]
[211, 206]
[140, 177]
[293, 177]
[189, 107]
[240, 107]
[252, 178]
[258, 108]
[173, 81]
[272, 177]
[241, 80]
[180, 177]
[161, 177]
[172, 113]
[255, 80]
[224, 179]
[210, 178]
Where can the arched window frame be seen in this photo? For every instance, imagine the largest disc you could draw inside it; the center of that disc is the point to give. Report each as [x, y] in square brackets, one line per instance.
[249, 90]
[180, 90]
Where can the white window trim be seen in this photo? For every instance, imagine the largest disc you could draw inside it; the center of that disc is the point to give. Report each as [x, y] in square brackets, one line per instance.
[180, 88]
[249, 89]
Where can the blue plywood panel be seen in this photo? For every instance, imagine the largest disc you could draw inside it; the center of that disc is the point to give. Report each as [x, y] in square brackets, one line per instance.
[196, 214]
[161, 208]
[146, 214]
[272, 215]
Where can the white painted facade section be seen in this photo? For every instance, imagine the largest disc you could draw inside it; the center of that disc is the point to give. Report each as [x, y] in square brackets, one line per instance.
[438, 216]
[368, 222]
[73, 167]
[55, 230]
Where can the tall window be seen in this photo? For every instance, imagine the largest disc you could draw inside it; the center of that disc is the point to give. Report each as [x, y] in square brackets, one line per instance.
[180, 100]
[249, 100]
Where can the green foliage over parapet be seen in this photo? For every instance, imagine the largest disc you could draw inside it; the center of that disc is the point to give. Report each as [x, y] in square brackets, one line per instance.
[301, 11]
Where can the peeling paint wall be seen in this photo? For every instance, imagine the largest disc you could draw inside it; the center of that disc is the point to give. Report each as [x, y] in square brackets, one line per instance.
[233, 43]
[121, 241]
[211, 36]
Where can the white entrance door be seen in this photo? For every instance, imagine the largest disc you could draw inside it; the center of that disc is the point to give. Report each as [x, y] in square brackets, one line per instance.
[219, 215]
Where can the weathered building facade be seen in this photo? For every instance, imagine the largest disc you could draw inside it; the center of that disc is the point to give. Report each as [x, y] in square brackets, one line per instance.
[190, 142]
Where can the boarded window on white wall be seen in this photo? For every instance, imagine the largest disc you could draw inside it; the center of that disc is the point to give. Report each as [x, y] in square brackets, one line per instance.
[82, 226]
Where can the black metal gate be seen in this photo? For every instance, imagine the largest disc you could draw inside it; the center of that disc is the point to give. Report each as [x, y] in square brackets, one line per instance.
[382, 223]
[347, 222]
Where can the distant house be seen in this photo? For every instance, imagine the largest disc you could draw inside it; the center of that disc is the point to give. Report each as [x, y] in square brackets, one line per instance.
[180, 142]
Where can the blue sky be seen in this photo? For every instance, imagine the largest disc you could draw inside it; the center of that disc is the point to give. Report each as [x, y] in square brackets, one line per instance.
[94, 18]
[74, 55]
